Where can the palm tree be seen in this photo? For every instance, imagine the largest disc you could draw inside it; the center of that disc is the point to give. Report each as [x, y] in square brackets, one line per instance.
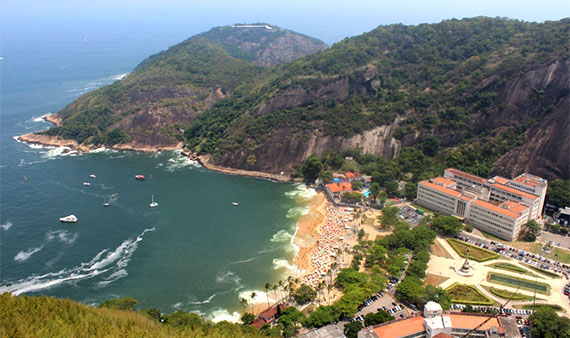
[253, 295]
[274, 288]
[281, 287]
[320, 288]
[329, 288]
[267, 286]
[243, 304]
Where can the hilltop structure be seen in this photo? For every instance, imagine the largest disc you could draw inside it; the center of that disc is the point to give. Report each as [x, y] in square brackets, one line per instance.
[438, 323]
[497, 205]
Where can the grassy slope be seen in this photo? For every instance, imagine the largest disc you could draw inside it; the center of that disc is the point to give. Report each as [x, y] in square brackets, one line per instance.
[25, 316]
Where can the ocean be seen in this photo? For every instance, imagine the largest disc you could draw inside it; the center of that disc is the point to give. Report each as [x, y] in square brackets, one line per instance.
[194, 252]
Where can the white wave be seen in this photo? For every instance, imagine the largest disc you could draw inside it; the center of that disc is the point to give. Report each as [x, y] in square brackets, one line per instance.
[207, 301]
[120, 76]
[121, 255]
[228, 277]
[281, 236]
[279, 263]
[6, 226]
[63, 236]
[24, 255]
[302, 192]
[244, 261]
[222, 314]
[293, 245]
[35, 146]
[266, 251]
[113, 277]
[103, 150]
[40, 118]
[179, 162]
[57, 151]
[260, 296]
[296, 212]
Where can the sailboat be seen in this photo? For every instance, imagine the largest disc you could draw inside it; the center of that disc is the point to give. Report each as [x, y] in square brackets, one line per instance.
[153, 203]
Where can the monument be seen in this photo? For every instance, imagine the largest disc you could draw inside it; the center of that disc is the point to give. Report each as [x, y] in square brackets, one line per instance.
[466, 269]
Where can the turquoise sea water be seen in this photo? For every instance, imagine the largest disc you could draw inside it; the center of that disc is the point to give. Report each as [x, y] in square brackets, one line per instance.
[195, 251]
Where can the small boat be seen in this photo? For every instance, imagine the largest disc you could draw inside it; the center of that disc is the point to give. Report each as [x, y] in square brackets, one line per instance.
[68, 219]
[86, 183]
[139, 177]
[92, 176]
[153, 203]
[235, 204]
[105, 203]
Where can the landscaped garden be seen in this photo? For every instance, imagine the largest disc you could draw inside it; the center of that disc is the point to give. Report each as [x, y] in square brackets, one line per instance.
[505, 294]
[544, 272]
[476, 253]
[468, 294]
[516, 282]
[513, 268]
[530, 306]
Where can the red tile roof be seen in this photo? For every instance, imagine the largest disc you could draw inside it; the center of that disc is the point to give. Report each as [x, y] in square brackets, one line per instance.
[496, 209]
[446, 191]
[441, 180]
[526, 181]
[466, 175]
[514, 191]
[470, 321]
[349, 175]
[339, 187]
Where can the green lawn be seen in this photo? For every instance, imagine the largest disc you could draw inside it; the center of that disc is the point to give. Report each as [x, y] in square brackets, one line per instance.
[505, 294]
[516, 282]
[513, 268]
[544, 272]
[529, 307]
[561, 255]
[476, 253]
[468, 294]
[426, 210]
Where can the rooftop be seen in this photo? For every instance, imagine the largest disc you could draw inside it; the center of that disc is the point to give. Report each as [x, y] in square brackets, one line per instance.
[471, 321]
[400, 328]
[514, 191]
[443, 181]
[500, 180]
[339, 187]
[444, 190]
[466, 175]
[497, 209]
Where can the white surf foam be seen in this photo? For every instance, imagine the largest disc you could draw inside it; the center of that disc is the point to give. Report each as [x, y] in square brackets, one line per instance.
[40, 118]
[243, 261]
[6, 226]
[63, 236]
[224, 315]
[228, 277]
[120, 256]
[23, 256]
[260, 297]
[120, 76]
[280, 263]
[178, 161]
[57, 151]
[301, 191]
[281, 236]
[297, 212]
[206, 301]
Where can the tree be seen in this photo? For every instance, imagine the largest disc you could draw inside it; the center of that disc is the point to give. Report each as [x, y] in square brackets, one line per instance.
[247, 318]
[312, 168]
[375, 189]
[438, 295]
[410, 290]
[252, 296]
[321, 316]
[417, 268]
[547, 324]
[304, 294]
[531, 230]
[351, 329]
[352, 197]
[377, 318]
[356, 185]
[388, 218]
[183, 319]
[127, 303]
[410, 190]
[391, 187]
[243, 304]
[361, 234]
[251, 160]
[446, 225]
[326, 176]
[558, 193]
[288, 320]
[267, 287]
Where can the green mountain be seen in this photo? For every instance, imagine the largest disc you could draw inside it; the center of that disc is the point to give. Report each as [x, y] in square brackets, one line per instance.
[154, 104]
[482, 94]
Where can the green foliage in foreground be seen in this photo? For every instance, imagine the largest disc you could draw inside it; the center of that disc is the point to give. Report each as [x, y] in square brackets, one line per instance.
[558, 193]
[446, 225]
[476, 253]
[304, 294]
[24, 316]
[468, 294]
[547, 324]
[544, 272]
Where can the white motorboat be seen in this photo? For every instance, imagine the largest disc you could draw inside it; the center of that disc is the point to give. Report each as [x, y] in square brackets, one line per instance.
[235, 204]
[92, 176]
[68, 219]
[153, 203]
[86, 183]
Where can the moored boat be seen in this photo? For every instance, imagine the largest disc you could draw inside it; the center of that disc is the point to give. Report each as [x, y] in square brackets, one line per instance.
[86, 183]
[92, 176]
[140, 177]
[235, 204]
[68, 219]
[153, 203]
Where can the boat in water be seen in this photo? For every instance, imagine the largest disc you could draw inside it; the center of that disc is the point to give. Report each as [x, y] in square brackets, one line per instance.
[68, 219]
[105, 203]
[235, 204]
[139, 177]
[153, 203]
[92, 176]
[86, 183]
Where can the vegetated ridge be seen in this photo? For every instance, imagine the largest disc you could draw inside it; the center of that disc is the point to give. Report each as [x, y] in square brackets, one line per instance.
[486, 95]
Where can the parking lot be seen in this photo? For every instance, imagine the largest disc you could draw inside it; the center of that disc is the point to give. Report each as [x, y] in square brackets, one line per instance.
[383, 301]
[410, 215]
[520, 255]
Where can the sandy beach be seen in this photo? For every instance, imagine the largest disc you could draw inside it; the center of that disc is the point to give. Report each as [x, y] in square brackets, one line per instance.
[308, 232]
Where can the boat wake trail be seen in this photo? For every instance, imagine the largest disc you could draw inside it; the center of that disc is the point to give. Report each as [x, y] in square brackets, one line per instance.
[111, 264]
[24, 255]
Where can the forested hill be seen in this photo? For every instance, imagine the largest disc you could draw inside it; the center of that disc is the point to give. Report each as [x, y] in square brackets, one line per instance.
[485, 95]
[152, 106]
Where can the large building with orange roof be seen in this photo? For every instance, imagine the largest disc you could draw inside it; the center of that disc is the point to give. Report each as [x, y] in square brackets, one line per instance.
[497, 205]
[437, 323]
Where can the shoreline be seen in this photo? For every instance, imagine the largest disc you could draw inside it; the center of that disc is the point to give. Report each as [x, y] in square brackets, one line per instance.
[307, 233]
[204, 162]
